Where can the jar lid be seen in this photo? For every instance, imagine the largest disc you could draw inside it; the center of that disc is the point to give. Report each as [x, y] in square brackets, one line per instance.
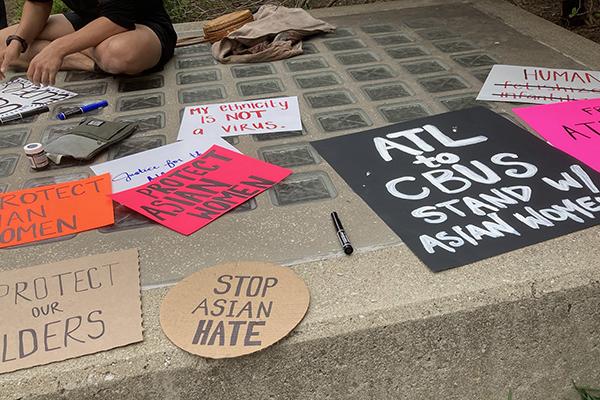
[33, 148]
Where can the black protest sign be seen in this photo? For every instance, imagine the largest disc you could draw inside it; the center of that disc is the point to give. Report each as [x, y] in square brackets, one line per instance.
[466, 185]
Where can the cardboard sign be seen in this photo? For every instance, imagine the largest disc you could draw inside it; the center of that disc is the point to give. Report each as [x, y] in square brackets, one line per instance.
[196, 193]
[234, 309]
[280, 114]
[466, 185]
[68, 309]
[573, 127]
[19, 95]
[140, 168]
[517, 84]
[57, 210]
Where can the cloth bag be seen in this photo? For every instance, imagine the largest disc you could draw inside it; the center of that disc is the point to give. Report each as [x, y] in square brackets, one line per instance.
[88, 139]
[276, 33]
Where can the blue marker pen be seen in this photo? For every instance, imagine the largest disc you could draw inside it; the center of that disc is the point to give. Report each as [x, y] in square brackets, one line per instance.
[81, 110]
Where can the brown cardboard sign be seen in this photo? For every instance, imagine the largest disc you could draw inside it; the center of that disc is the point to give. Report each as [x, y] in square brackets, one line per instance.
[234, 309]
[67, 309]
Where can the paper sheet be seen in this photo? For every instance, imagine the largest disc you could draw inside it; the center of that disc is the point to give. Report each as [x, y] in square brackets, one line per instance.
[539, 85]
[265, 116]
[140, 168]
[573, 127]
[46, 212]
[196, 193]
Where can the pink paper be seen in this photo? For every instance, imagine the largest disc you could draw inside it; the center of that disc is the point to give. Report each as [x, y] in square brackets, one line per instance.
[573, 127]
[196, 193]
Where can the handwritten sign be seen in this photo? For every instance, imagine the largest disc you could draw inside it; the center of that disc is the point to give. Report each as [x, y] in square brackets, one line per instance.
[463, 186]
[234, 309]
[280, 114]
[19, 95]
[68, 309]
[196, 193]
[539, 85]
[573, 127]
[140, 168]
[57, 210]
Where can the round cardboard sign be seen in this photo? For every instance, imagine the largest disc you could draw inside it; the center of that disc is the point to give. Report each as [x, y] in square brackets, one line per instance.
[234, 309]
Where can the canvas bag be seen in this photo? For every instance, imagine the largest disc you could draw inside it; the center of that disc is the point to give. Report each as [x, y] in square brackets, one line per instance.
[88, 139]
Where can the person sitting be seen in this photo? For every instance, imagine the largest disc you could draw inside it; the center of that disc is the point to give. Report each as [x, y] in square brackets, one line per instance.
[114, 36]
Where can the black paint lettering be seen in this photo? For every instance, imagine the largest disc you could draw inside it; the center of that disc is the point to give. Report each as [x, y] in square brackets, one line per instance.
[235, 332]
[170, 182]
[572, 132]
[224, 279]
[22, 352]
[202, 331]
[250, 333]
[259, 281]
[202, 305]
[219, 305]
[60, 282]
[157, 213]
[61, 224]
[217, 205]
[20, 287]
[69, 330]
[264, 311]
[214, 154]
[206, 184]
[192, 197]
[96, 321]
[36, 287]
[91, 281]
[218, 333]
[258, 182]
[78, 280]
[48, 336]
[206, 214]
[269, 283]
[241, 279]
[5, 349]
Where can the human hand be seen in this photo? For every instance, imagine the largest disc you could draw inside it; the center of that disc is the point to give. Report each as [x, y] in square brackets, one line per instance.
[9, 55]
[43, 68]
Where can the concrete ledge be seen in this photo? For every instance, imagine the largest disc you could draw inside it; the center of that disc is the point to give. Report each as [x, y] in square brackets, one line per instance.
[380, 326]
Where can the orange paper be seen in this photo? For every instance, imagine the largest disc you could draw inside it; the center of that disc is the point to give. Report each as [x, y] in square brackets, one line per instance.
[51, 211]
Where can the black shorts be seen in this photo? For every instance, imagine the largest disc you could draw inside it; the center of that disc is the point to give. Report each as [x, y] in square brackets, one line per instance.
[164, 30]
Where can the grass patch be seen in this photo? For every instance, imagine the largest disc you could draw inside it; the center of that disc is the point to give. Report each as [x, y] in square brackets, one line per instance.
[587, 393]
[179, 10]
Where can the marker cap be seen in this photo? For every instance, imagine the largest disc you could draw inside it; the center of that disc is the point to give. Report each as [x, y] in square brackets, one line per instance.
[33, 148]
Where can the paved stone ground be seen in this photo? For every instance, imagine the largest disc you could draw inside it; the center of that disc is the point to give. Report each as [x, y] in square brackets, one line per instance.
[380, 324]
[376, 69]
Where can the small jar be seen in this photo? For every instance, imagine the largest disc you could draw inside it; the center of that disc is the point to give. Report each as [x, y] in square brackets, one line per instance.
[37, 155]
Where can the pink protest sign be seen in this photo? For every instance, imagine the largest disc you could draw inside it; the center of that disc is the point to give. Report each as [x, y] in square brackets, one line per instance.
[573, 127]
[196, 193]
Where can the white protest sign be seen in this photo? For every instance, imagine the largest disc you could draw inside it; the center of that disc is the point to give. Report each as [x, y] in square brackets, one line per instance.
[20, 95]
[280, 114]
[518, 84]
[140, 168]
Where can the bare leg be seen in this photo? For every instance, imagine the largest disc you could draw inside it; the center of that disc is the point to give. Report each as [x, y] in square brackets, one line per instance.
[129, 52]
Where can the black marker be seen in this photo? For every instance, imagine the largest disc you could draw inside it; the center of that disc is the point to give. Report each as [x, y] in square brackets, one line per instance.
[344, 241]
[21, 115]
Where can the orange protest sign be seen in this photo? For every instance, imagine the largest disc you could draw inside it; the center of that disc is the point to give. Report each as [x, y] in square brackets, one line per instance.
[51, 211]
